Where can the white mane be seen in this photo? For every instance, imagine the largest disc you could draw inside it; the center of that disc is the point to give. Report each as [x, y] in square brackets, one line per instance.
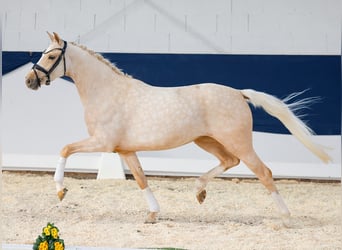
[102, 59]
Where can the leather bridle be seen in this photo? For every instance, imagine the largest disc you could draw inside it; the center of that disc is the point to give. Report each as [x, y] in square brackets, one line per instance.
[53, 67]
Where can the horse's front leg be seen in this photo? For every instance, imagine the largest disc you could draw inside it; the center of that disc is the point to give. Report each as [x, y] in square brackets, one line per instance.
[133, 163]
[88, 145]
[59, 178]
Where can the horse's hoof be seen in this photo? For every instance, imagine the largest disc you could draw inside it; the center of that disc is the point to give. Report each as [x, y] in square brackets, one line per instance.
[201, 196]
[151, 218]
[61, 194]
[286, 219]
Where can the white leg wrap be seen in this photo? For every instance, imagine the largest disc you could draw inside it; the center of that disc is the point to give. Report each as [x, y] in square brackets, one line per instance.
[59, 186]
[59, 173]
[151, 200]
[280, 203]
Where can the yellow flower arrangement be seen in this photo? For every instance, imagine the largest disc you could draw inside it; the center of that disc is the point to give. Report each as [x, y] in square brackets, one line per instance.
[49, 239]
[46, 231]
[54, 233]
[43, 245]
[59, 246]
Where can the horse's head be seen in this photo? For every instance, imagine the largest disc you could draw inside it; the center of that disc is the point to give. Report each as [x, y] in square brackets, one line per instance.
[50, 66]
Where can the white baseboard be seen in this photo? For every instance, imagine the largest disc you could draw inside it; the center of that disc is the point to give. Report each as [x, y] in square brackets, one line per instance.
[162, 166]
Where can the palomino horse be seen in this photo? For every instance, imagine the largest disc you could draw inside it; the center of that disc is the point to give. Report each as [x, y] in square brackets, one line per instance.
[125, 115]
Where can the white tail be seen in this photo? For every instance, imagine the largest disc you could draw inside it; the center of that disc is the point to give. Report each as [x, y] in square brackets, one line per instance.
[284, 113]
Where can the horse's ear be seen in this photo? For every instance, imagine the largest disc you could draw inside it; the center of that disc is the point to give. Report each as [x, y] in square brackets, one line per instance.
[51, 36]
[56, 37]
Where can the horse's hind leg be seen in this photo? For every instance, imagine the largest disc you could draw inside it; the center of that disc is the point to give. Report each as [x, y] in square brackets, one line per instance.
[264, 174]
[227, 160]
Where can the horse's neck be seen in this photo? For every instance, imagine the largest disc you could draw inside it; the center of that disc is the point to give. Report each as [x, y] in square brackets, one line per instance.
[93, 78]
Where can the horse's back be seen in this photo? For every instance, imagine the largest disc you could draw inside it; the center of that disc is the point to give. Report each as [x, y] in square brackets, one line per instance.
[211, 103]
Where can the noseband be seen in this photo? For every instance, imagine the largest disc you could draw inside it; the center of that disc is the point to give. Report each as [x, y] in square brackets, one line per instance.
[53, 67]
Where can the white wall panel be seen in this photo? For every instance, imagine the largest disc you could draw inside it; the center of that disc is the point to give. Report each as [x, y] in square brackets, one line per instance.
[34, 5]
[139, 20]
[45, 22]
[169, 23]
[257, 27]
[11, 21]
[34, 45]
[10, 40]
[28, 20]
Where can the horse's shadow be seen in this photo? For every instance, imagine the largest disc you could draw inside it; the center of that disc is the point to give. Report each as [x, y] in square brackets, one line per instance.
[224, 218]
[294, 222]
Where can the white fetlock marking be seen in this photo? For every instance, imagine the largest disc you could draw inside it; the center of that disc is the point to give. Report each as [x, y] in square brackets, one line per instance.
[200, 184]
[59, 173]
[151, 200]
[280, 203]
[59, 186]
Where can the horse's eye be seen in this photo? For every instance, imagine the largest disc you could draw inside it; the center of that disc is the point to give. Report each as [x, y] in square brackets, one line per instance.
[51, 57]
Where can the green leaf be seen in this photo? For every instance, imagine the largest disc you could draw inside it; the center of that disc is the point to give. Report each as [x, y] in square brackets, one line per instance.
[35, 246]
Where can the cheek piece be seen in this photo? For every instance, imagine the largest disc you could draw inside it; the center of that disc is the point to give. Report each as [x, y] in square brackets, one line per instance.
[53, 67]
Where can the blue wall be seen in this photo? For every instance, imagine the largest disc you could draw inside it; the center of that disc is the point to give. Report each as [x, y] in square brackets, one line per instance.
[278, 75]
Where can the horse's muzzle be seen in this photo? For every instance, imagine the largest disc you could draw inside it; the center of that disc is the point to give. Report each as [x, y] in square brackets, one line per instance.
[32, 83]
